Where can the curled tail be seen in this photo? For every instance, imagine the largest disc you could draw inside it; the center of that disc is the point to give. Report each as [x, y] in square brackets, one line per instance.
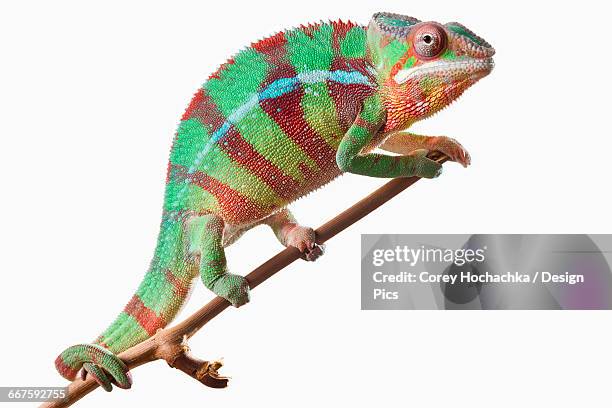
[158, 299]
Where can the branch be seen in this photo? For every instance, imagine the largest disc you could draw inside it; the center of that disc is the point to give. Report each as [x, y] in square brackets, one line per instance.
[170, 344]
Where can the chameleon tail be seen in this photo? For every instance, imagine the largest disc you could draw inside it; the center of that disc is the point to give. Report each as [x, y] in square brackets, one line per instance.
[158, 299]
[98, 361]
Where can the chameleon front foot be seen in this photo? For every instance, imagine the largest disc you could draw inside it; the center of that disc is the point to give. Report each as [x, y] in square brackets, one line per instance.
[451, 148]
[103, 366]
[233, 288]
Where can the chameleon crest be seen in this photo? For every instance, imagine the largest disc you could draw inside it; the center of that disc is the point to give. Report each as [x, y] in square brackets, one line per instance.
[277, 121]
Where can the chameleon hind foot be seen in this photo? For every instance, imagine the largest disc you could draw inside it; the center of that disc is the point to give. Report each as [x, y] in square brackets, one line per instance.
[233, 288]
[290, 233]
[303, 238]
[92, 359]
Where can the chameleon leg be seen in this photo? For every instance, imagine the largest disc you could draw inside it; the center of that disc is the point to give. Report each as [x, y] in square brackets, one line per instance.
[205, 237]
[351, 157]
[406, 143]
[290, 233]
[231, 233]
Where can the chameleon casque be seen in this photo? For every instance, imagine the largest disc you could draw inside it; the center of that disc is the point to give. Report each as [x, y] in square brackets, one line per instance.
[280, 119]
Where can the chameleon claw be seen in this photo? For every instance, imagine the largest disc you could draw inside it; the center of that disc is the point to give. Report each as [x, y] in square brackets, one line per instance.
[313, 252]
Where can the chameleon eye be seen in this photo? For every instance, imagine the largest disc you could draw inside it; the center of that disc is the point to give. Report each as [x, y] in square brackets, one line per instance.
[429, 40]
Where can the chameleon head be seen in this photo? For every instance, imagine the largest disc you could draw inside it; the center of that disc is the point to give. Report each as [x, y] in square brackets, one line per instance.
[423, 66]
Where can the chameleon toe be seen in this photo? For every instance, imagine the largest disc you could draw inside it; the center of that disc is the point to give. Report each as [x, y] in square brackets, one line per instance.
[312, 254]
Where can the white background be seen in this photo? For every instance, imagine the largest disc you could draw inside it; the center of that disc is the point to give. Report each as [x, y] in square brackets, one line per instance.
[90, 96]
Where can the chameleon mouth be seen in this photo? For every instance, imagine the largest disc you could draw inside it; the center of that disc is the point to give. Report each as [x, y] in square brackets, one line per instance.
[472, 68]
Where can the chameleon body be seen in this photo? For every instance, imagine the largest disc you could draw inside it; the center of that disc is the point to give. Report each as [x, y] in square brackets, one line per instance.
[280, 119]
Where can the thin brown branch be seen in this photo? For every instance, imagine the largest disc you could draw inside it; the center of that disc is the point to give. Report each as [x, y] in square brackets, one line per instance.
[170, 344]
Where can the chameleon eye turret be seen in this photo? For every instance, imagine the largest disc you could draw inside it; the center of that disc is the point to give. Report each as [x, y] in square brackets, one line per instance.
[429, 40]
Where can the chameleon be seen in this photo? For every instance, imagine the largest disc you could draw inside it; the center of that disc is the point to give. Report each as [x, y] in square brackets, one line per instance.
[283, 117]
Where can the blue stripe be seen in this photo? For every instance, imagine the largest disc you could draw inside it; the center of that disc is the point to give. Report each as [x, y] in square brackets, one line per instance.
[275, 89]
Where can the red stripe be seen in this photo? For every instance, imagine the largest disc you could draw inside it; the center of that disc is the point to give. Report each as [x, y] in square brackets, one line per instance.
[195, 101]
[179, 287]
[168, 172]
[203, 108]
[146, 317]
[243, 153]
[93, 355]
[270, 44]
[235, 206]
[64, 369]
[369, 126]
[310, 29]
[340, 29]
[347, 97]
[286, 110]
[99, 341]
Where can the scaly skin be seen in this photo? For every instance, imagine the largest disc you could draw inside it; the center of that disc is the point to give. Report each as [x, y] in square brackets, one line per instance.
[279, 120]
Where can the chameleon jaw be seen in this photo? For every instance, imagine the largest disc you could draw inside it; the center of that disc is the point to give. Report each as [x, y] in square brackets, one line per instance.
[473, 68]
